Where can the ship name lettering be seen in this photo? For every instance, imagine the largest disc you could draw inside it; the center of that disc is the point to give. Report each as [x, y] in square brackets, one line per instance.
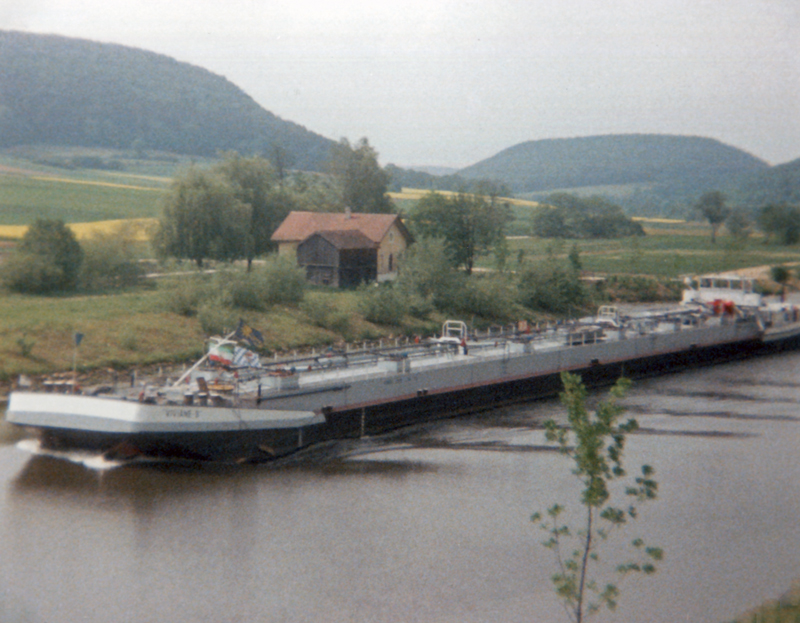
[182, 413]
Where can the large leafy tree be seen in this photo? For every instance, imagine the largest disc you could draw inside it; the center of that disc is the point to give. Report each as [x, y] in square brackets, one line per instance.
[712, 207]
[256, 184]
[471, 224]
[362, 182]
[203, 219]
[781, 220]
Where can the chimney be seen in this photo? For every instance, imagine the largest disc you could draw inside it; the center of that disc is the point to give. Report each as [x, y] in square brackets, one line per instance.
[348, 213]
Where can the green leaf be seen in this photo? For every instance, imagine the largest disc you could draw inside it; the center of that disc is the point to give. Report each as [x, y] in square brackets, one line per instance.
[656, 553]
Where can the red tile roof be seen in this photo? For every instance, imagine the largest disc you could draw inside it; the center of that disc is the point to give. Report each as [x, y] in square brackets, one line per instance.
[300, 225]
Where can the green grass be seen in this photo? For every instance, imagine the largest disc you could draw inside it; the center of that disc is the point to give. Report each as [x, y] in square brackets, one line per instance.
[23, 200]
[667, 254]
[76, 195]
[120, 329]
[136, 328]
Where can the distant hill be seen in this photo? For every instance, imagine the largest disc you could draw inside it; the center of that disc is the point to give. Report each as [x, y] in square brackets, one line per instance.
[613, 160]
[433, 169]
[58, 90]
[648, 174]
[779, 184]
[410, 178]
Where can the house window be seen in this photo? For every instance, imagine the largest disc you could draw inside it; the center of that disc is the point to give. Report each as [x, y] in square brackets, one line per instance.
[391, 262]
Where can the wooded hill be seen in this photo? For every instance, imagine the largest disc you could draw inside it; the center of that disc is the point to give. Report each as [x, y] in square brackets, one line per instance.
[71, 92]
[646, 173]
[613, 160]
[63, 91]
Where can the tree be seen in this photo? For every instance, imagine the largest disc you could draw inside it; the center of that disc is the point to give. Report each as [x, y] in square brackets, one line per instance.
[363, 184]
[552, 288]
[595, 442]
[568, 216]
[471, 224]
[738, 224]
[110, 259]
[575, 257]
[202, 219]
[781, 275]
[255, 184]
[712, 206]
[781, 220]
[428, 279]
[47, 259]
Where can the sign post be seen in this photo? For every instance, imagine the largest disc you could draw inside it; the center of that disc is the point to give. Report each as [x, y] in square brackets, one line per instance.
[78, 339]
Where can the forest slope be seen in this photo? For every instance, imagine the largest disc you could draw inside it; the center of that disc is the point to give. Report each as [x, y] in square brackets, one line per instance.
[613, 160]
[63, 91]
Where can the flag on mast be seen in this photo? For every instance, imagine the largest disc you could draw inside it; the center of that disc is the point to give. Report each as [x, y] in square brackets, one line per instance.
[247, 333]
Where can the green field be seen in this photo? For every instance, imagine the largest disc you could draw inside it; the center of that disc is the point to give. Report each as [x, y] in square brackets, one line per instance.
[24, 199]
[34, 187]
[659, 254]
[137, 328]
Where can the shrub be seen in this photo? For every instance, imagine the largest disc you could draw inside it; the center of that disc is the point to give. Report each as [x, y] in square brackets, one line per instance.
[552, 288]
[109, 261]
[216, 316]
[428, 277]
[286, 282]
[30, 273]
[320, 312]
[489, 297]
[185, 296]
[383, 305]
[47, 259]
[245, 290]
[638, 288]
[279, 282]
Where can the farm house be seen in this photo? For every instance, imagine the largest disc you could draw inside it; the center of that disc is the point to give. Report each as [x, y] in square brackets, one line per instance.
[341, 249]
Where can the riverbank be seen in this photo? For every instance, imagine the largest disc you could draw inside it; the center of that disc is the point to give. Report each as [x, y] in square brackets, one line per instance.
[785, 609]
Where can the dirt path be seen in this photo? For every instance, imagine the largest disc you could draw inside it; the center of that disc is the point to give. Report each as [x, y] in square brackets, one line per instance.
[755, 272]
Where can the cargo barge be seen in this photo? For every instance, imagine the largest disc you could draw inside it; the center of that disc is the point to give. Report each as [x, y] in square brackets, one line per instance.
[232, 407]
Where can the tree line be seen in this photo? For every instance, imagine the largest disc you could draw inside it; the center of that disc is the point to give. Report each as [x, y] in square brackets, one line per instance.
[780, 221]
[230, 211]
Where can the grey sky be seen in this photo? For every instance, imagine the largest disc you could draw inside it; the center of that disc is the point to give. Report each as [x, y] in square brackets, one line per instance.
[452, 82]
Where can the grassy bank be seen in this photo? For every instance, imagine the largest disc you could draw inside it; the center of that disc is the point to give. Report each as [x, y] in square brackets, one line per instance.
[139, 328]
[136, 329]
[786, 609]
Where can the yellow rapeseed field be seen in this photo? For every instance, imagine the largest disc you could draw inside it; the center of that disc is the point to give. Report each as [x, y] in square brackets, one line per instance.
[415, 194]
[137, 228]
[664, 221]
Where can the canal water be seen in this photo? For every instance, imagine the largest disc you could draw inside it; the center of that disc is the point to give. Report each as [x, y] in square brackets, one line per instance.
[427, 525]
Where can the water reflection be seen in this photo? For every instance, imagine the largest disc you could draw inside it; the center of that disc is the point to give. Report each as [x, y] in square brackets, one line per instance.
[427, 524]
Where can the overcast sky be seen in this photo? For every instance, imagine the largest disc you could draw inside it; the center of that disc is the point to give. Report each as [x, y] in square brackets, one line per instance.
[451, 82]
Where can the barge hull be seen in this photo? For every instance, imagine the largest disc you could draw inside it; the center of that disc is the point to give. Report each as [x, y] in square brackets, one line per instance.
[375, 417]
[369, 419]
